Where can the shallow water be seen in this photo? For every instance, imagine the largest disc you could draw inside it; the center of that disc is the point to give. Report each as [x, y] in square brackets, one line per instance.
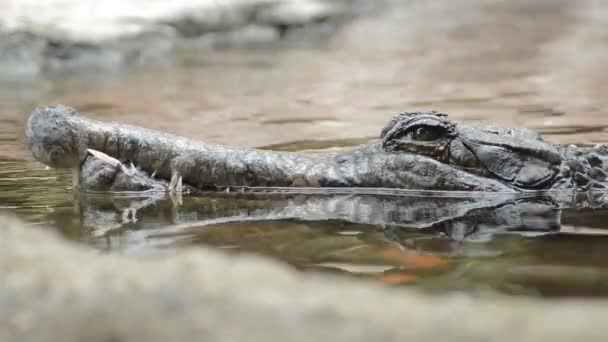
[517, 63]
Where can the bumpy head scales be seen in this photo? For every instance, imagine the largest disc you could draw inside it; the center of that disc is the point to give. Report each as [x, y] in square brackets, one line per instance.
[518, 158]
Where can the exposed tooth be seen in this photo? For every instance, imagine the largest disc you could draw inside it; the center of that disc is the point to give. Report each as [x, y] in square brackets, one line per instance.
[176, 199]
[176, 180]
[175, 189]
[76, 178]
[104, 157]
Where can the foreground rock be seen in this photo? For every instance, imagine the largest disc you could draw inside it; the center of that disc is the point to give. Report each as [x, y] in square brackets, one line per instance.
[82, 35]
[52, 290]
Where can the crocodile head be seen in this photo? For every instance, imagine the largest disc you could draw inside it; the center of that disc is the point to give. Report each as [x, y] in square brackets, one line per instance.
[515, 156]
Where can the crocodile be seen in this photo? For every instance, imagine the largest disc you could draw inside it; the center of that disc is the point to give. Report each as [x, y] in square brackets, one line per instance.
[415, 150]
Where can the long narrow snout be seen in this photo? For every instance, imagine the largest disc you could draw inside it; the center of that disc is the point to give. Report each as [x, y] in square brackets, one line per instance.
[59, 137]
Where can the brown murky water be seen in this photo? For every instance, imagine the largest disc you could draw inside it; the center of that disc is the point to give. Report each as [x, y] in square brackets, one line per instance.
[536, 64]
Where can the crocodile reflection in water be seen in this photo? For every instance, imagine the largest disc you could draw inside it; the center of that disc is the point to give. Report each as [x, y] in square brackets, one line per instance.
[456, 217]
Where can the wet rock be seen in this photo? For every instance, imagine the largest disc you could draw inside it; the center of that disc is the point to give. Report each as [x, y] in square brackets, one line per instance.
[154, 47]
[299, 12]
[245, 36]
[58, 35]
[52, 290]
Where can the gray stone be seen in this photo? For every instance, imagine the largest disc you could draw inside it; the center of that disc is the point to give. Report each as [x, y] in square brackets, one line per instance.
[73, 35]
[52, 290]
[299, 12]
[144, 49]
[251, 35]
[21, 54]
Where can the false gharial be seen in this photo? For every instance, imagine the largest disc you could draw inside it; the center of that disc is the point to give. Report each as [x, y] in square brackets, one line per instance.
[415, 150]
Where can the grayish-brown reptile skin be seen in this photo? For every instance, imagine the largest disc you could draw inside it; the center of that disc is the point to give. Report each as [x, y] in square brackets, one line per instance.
[415, 151]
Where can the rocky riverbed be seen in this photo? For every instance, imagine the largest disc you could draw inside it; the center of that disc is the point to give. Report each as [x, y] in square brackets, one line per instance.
[54, 290]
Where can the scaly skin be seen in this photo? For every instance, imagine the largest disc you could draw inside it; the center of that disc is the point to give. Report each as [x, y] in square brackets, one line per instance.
[59, 137]
[421, 151]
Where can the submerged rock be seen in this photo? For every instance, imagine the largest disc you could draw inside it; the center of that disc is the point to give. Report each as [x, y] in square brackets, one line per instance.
[52, 35]
[53, 290]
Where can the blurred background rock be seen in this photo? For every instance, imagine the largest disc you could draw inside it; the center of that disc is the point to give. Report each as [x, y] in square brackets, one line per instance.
[50, 35]
[292, 71]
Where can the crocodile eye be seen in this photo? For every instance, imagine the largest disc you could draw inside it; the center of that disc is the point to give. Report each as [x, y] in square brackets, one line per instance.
[427, 133]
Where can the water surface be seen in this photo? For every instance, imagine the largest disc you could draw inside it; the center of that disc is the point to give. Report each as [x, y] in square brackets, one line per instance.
[517, 63]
